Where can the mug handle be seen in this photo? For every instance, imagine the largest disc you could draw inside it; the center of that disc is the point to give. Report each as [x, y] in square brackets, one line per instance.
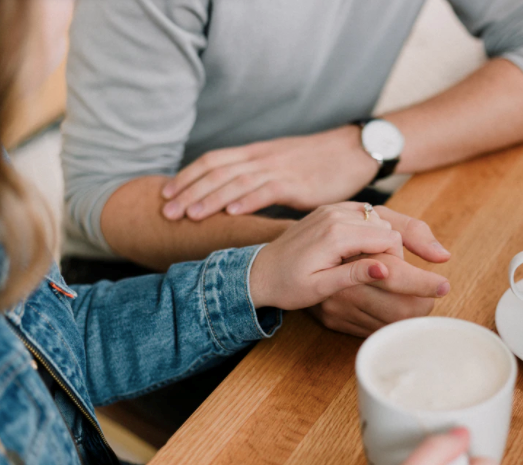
[515, 263]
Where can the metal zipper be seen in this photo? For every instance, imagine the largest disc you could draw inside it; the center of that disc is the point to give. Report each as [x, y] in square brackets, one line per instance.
[57, 378]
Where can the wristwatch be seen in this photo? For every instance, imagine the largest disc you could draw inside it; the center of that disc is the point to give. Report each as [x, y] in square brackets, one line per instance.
[384, 142]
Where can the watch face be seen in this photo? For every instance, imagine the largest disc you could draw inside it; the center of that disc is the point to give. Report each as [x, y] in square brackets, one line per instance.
[382, 140]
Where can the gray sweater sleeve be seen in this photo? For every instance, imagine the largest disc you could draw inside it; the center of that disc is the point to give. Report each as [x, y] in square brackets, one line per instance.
[134, 76]
[499, 23]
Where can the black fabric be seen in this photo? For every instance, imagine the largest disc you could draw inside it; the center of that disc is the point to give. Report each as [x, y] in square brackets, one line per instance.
[368, 194]
[47, 379]
[94, 450]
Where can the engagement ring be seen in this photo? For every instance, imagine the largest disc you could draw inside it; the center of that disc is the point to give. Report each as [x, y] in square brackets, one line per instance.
[367, 209]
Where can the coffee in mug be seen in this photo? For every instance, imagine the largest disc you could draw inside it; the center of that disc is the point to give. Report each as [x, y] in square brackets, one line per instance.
[427, 375]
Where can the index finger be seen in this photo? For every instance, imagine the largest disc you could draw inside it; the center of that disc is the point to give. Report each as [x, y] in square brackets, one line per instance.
[417, 235]
[199, 168]
[405, 278]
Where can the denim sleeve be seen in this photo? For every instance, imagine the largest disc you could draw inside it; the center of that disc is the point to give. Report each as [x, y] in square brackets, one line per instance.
[499, 23]
[143, 333]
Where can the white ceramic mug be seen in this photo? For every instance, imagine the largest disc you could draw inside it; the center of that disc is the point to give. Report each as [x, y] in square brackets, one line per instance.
[515, 263]
[391, 433]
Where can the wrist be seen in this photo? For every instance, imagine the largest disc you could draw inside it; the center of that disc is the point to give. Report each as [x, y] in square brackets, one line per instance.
[357, 162]
[265, 229]
[259, 280]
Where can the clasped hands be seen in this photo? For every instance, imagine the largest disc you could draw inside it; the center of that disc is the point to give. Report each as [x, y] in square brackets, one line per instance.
[354, 297]
[350, 272]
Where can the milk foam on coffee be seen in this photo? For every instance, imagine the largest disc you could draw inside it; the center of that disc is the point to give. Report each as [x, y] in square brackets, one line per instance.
[438, 369]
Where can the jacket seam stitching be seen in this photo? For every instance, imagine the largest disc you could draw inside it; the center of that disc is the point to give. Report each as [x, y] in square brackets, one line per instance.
[56, 332]
[207, 314]
[251, 308]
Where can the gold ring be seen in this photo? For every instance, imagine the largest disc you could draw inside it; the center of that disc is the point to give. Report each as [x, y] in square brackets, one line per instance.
[367, 209]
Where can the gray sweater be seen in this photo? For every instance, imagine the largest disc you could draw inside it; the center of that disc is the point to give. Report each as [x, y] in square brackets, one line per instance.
[153, 84]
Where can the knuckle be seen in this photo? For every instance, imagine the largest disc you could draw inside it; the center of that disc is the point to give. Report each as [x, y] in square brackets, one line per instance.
[207, 159]
[276, 188]
[187, 196]
[218, 174]
[396, 236]
[386, 225]
[320, 291]
[215, 200]
[415, 226]
[328, 309]
[329, 323]
[333, 231]
[355, 274]
[333, 215]
[245, 180]
[321, 211]
[380, 209]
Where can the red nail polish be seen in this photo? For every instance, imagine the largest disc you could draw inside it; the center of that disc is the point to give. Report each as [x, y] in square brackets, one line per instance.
[459, 432]
[375, 272]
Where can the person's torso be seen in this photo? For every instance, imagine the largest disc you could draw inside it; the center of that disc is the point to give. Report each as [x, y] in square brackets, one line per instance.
[282, 68]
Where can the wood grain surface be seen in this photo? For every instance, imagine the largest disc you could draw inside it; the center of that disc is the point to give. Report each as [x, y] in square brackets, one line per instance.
[293, 399]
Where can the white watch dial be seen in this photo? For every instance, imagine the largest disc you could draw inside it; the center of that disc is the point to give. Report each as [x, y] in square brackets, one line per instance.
[382, 140]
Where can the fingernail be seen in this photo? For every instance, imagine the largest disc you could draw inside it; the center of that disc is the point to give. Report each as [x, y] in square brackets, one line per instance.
[233, 208]
[443, 289]
[168, 192]
[439, 248]
[172, 210]
[459, 432]
[375, 272]
[195, 209]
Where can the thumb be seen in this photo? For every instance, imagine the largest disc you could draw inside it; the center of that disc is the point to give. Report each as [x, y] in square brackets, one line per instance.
[441, 449]
[362, 271]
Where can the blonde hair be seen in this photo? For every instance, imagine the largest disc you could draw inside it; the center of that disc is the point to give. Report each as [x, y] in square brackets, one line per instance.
[26, 230]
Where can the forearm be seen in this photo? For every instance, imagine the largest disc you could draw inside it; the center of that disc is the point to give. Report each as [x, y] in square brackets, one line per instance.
[144, 332]
[134, 228]
[481, 114]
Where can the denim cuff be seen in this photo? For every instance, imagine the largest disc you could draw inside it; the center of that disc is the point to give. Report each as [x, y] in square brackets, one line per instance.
[228, 304]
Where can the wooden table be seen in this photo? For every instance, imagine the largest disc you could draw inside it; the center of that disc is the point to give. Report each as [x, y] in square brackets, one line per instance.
[292, 400]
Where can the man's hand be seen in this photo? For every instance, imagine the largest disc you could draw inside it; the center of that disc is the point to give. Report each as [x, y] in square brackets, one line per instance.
[442, 449]
[407, 291]
[300, 172]
[310, 261]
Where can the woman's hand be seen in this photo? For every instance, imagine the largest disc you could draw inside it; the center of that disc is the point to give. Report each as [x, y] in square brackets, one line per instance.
[443, 449]
[407, 292]
[300, 172]
[306, 264]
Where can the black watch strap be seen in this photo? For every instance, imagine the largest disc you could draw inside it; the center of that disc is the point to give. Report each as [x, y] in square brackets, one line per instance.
[387, 167]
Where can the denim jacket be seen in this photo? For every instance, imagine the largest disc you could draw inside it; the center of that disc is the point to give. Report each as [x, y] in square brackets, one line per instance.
[115, 340]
